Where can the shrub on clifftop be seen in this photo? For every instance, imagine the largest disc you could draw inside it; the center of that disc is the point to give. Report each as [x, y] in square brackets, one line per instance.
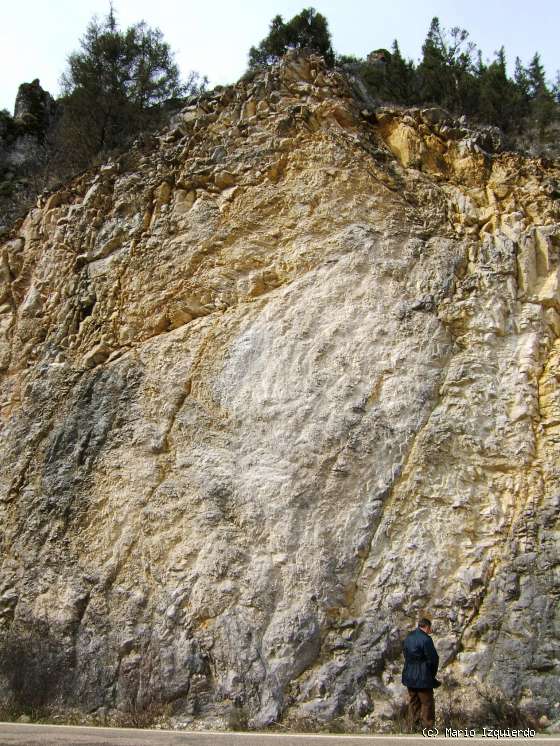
[115, 84]
[308, 30]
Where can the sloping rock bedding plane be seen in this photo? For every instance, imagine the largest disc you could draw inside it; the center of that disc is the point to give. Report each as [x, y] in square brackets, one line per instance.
[274, 383]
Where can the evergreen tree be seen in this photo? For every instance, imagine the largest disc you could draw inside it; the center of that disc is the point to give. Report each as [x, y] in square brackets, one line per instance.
[521, 79]
[522, 98]
[453, 74]
[434, 77]
[114, 84]
[556, 88]
[543, 106]
[308, 30]
[374, 74]
[497, 100]
[400, 79]
[272, 47]
[389, 76]
[536, 77]
[446, 72]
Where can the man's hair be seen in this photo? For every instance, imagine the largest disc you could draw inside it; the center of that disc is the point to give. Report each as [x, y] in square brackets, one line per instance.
[424, 622]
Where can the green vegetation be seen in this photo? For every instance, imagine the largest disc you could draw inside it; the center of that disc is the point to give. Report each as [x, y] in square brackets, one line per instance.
[452, 74]
[116, 85]
[120, 83]
[308, 31]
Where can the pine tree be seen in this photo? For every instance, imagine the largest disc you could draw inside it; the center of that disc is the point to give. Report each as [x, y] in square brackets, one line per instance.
[453, 74]
[556, 88]
[446, 72]
[114, 84]
[272, 47]
[536, 77]
[497, 97]
[400, 78]
[521, 78]
[308, 30]
[543, 106]
[433, 75]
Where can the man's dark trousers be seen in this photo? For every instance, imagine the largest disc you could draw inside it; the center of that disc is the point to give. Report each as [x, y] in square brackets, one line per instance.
[421, 663]
[421, 707]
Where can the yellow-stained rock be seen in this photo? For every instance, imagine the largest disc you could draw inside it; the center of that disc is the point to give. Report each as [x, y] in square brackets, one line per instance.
[272, 393]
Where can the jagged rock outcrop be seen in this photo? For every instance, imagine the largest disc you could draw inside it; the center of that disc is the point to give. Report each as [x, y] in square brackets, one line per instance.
[274, 383]
[34, 105]
[24, 150]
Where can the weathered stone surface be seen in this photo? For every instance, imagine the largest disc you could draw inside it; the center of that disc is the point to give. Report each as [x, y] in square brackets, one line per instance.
[35, 104]
[249, 435]
[23, 150]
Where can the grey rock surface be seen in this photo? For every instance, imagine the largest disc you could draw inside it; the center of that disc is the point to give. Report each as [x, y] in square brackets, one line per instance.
[253, 426]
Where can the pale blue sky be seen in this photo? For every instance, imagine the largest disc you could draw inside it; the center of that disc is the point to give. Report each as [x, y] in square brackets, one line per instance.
[213, 36]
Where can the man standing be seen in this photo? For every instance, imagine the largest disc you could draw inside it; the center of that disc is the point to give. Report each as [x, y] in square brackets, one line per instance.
[419, 674]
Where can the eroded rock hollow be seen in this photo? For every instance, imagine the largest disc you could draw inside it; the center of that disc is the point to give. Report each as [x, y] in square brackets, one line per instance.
[274, 383]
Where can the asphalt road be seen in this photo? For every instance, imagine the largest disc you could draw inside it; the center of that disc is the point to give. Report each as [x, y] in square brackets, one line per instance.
[60, 735]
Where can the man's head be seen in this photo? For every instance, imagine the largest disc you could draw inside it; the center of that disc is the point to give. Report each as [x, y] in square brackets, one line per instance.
[425, 625]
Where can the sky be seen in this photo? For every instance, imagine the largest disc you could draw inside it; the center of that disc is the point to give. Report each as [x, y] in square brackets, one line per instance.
[214, 36]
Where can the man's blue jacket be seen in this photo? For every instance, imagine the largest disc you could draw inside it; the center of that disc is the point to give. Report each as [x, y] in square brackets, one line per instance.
[421, 661]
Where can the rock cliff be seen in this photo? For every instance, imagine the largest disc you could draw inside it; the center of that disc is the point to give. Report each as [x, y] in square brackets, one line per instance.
[25, 151]
[274, 383]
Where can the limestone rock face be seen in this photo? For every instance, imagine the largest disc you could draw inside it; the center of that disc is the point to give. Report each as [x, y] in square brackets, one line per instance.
[274, 383]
